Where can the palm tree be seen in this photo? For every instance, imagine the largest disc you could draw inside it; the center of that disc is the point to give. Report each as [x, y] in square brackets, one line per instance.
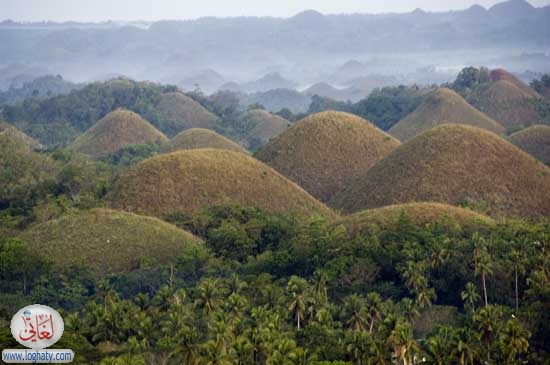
[464, 351]
[409, 309]
[484, 268]
[321, 294]
[517, 261]
[215, 354]
[470, 296]
[236, 305]
[356, 312]
[297, 287]
[284, 353]
[243, 351]
[488, 320]
[209, 296]
[374, 310]
[402, 341]
[514, 341]
[359, 344]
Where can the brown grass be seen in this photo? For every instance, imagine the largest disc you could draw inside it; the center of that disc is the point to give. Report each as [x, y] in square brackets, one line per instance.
[179, 112]
[327, 151]
[535, 141]
[455, 164]
[195, 138]
[500, 74]
[420, 214]
[108, 241]
[507, 103]
[262, 126]
[441, 107]
[189, 181]
[116, 130]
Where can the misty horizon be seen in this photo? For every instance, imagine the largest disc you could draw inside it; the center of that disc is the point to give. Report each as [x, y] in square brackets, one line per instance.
[58, 11]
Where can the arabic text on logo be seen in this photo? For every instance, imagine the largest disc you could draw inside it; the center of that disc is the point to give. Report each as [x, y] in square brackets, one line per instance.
[37, 326]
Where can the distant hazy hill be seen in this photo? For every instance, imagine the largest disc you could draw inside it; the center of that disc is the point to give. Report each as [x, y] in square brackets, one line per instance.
[277, 99]
[303, 40]
[44, 86]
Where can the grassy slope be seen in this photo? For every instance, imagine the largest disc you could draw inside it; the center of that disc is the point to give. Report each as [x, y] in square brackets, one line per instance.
[263, 126]
[420, 214]
[500, 74]
[116, 130]
[189, 181]
[22, 169]
[442, 106]
[507, 103]
[108, 241]
[180, 112]
[201, 138]
[453, 164]
[534, 140]
[327, 151]
[15, 134]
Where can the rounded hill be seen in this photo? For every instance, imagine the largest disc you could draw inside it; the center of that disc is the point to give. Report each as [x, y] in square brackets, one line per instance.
[108, 241]
[507, 103]
[535, 141]
[178, 112]
[11, 132]
[455, 164]
[116, 130]
[419, 214]
[261, 126]
[22, 170]
[503, 75]
[441, 107]
[195, 138]
[327, 151]
[190, 181]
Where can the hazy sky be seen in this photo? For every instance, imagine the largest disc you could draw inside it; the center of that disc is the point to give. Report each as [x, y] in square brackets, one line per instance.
[98, 10]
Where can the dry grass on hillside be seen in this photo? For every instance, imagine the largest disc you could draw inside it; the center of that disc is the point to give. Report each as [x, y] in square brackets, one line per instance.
[500, 74]
[507, 103]
[116, 130]
[441, 107]
[262, 126]
[420, 214]
[327, 151]
[179, 112]
[195, 138]
[189, 181]
[455, 164]
[535, 141]
[108, 241]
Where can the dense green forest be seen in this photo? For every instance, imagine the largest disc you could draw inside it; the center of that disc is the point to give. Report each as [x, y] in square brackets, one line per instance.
[280, 289]
[270, 289]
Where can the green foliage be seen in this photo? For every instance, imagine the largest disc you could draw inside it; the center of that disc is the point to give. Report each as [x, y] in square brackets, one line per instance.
[132, 154]
[387, 106]
[469, 78]
[58, 120]
[542, 86]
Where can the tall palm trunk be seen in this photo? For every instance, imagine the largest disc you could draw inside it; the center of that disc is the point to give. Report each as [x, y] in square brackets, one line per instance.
[484, 288]
[517, 295]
